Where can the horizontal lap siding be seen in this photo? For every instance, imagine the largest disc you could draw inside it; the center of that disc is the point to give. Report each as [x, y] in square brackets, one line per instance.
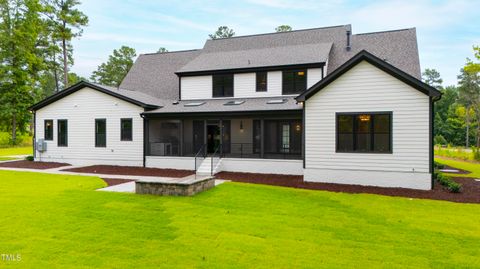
[366, 88]
[81, 109]
[245, 85]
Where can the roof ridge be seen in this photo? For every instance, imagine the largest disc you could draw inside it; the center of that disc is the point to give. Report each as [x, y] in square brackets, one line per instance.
[274, 33]
[387, 31]
[168, 52]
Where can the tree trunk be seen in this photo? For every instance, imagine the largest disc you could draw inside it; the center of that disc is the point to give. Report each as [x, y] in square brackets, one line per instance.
[65, 63]
[14, 128]
[55, 69]
[467, 135]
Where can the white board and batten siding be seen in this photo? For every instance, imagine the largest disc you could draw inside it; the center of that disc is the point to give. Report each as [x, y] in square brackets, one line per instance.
[81, 108]
[244, 85]
[365, 88]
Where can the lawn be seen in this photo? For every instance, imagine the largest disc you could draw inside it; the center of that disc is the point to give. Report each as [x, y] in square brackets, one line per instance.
[468, 166]
[16, 151]
[60, 221]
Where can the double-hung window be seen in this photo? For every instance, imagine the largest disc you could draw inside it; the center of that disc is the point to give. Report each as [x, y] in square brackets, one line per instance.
[222, 85]
[48, 130]
[100, 133]
[364, 132]
[294, 81]
[62, 126]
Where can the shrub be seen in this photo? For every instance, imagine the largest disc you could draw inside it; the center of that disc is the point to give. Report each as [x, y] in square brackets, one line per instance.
[476, 153]
[439, 140]
[22, 140]
[29, 158]
[438, 165]
[448, 183]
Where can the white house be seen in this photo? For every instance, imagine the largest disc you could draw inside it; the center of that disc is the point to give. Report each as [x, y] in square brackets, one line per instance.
[260, 104]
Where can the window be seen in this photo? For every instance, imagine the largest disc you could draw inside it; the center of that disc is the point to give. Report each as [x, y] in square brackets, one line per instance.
[364, 132]
[62, 126]
[261, 81]
[48, 130]
[294, 81]
[100, 133]
[126, 129]
[286, 137]
[223, 85]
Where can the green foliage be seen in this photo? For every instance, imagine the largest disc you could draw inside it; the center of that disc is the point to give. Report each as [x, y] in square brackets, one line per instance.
[471, 67]
[283, 28]
[476, 153]
[439, 140]
[112, 72]
[222, 32]
[448, 182]
[29, 158]
[456, 152]
[22, 140]
[234, 225]
[432, 78]
[162, 50]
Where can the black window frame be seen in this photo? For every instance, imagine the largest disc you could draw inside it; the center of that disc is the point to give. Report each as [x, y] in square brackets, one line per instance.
[48, 136]
[123, 135]
[216, 79]
[372, 132]
[294, 82]
[97, 140]
[258, 79]
[60, 140]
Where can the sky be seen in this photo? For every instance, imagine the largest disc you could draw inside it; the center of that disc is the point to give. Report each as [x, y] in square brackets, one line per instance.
[446, 30]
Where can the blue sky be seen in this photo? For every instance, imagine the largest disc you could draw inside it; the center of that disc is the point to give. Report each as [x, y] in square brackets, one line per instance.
[446, 30]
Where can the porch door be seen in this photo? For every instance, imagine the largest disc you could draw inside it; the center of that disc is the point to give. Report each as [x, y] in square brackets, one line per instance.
[198, 135]
[213, 137]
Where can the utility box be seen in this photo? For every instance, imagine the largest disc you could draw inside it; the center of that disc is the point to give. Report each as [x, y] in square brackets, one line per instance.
[41, 145]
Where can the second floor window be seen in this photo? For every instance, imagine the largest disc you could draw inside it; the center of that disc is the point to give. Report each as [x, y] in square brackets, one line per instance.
[294, 81]
[261, 81]
[100, 133]
[48, 130]
[223, 85]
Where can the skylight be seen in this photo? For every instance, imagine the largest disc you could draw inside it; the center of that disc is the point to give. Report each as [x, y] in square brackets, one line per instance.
[194, 104]
[276, 101]
[234, 103]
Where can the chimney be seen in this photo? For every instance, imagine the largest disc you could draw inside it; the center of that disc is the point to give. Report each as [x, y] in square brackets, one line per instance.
[349, 35]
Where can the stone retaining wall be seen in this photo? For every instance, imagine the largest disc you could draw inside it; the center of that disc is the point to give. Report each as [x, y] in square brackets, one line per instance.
[173, 189]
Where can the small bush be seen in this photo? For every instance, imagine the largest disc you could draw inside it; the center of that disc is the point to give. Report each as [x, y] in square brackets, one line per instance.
[29, 158]
[439, 140]
[448, 183]
[438, 165]
[476, 153]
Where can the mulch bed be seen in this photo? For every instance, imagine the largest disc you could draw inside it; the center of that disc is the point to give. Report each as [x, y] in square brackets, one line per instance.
[460, 171]
[131, 171]
[32, 165]
[470, 188]
[115, 181]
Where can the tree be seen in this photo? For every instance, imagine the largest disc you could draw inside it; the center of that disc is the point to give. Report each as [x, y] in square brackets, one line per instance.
[20, 61]
[432, 78]
[74, 78]
[469, 96]
[116, 68]
[449, 97]
[162, 50]
[283, 28]
[472, 67]
[67, 22]
[222, 32]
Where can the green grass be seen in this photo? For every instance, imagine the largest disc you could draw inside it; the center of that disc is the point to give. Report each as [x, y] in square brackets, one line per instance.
[474, 168]
[16, 151]
[59, 221]
[455, 152]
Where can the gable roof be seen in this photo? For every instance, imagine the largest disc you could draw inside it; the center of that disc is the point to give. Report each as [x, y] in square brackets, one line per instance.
[154, 74]
[379, 63]
[133, 97]
[260, 57]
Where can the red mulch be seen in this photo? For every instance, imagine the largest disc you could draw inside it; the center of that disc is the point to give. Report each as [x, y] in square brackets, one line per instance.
[131, 171]
[33, 165]
[470, 188]
[115, 181]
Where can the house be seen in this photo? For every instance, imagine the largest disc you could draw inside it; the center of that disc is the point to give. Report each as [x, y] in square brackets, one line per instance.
[324, 103]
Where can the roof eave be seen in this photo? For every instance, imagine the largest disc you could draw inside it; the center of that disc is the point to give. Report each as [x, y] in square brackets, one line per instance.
[250, 69]
[379, 63]
[80, 85]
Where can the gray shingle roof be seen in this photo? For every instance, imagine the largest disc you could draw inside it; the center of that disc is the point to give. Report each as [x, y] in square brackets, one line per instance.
[260, 57]
[154, 74]
[135, 95]
[218, 105]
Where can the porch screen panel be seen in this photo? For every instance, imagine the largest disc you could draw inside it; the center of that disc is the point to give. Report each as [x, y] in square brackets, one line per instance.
[257, 136]
[165, 137]
[198, 135]
[272, 137]
[226, 136]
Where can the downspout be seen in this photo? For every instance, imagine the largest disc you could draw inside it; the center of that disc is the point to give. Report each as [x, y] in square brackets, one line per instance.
[34, 144]
[145, 137]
